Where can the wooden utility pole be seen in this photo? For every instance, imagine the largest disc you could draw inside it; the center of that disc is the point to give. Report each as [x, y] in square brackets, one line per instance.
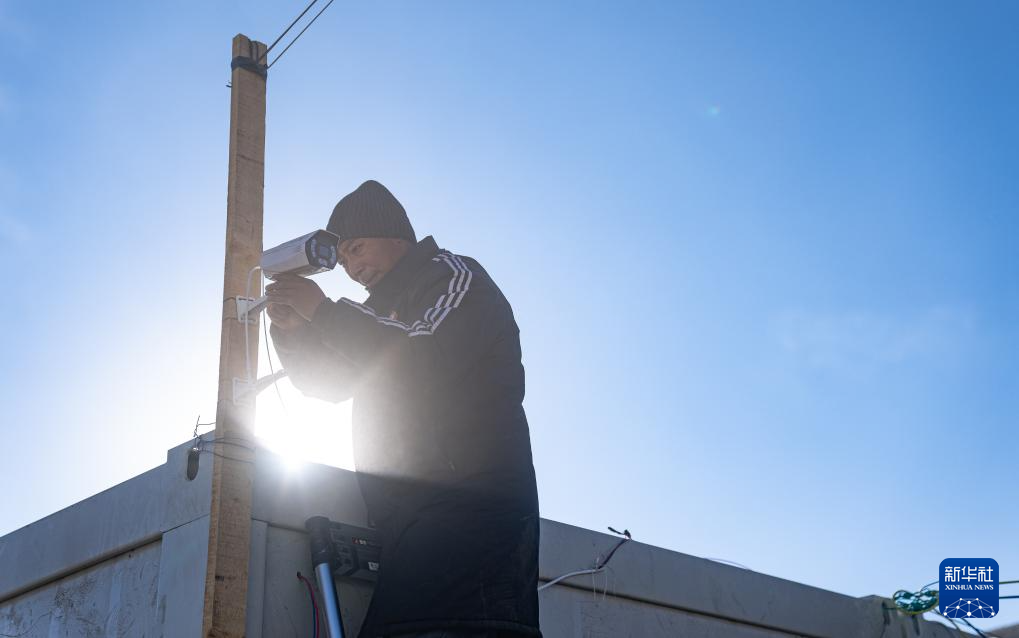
[226, 577]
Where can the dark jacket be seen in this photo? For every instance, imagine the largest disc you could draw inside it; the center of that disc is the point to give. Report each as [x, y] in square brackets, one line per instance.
[441, 444]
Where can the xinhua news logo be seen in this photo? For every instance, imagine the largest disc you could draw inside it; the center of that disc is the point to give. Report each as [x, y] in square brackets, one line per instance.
[969, 588]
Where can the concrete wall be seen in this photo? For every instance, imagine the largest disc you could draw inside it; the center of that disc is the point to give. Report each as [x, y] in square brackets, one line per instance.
[127, 562]
[118, 597]
[130, 561]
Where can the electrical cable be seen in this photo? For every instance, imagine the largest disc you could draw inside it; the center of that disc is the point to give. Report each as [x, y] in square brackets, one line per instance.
[599, 565]
[226, 456]
[320, 615]
[195, 434]
[200, 447]
[971, 626]
[285, 31]
[272, 372]
[726, 561]
[959, 629]
[557, 579]
[297, 37]
[265, 330]
[951, 620]
[229, 441]
[927, 599]
[314, 604]
[626, 537]
[1007, 582]
[244, 319]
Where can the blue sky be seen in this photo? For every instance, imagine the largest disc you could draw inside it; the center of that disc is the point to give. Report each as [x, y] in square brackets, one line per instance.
[763, 255]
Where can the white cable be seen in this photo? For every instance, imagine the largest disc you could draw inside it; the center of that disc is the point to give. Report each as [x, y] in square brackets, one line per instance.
[605, 591]
[725, 561]
[247, 327]
[599, 565]
[570, 575]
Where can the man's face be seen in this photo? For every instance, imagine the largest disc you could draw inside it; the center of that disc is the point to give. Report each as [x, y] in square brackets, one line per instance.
[368, 259]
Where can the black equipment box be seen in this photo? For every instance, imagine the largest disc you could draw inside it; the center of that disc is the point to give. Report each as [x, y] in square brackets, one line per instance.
[352, 552]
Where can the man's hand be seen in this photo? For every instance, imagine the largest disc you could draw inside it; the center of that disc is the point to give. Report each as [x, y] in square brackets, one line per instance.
[300, 294]
[284, 317]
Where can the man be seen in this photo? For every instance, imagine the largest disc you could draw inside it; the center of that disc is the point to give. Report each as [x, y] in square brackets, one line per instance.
[441, 443]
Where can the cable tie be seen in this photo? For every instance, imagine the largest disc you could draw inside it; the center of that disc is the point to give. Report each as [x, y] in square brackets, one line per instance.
[246, 62]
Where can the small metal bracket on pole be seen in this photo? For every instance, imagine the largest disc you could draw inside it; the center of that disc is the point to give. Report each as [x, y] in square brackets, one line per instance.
[243, 392]
[248, 308]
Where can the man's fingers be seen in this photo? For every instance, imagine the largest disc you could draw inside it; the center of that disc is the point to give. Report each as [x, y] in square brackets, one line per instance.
[286, 279]
[283, 288]
[302, 295]
[284, 316]
[287, 290]
[291, 280]
[296, 283]
[279, 311]
[281, 300]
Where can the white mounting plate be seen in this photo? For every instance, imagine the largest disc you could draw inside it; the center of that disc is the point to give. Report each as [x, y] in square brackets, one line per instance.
[244, 392]
[248, 308]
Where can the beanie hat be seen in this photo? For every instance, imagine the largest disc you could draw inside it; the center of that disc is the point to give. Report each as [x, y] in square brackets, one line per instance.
[370, 211]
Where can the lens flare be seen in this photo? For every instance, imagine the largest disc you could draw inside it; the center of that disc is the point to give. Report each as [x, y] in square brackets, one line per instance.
[306, 430]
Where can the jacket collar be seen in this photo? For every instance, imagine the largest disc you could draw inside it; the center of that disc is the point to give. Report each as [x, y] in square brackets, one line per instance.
[385, 293]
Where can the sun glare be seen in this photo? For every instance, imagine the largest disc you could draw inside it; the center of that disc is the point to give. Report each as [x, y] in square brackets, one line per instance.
[302, 429]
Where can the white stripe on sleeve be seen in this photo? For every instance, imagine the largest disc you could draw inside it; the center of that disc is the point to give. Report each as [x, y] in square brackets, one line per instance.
[459, 284]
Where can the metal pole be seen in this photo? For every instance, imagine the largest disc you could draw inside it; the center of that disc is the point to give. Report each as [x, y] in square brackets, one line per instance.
[332, 601]
[323, 557]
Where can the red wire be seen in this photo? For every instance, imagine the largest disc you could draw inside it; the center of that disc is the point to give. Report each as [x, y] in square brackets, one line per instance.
[314, 605]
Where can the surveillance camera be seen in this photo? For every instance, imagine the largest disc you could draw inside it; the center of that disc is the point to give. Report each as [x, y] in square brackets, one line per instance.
[307, 255]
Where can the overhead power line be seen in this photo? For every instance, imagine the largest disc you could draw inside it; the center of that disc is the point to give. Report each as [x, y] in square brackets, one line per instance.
[286, 31]
[259, 64]
[298, 36]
